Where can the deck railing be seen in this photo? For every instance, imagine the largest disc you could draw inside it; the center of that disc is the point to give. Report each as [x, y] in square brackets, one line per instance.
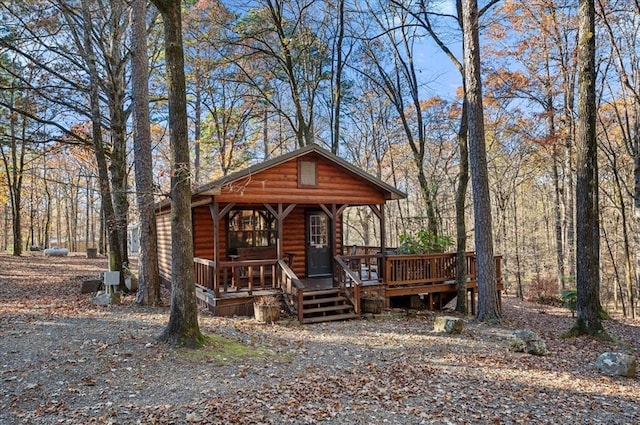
[348, 280]
[407, 270]
[236, 276]
[247, 275]
[292, 287]
[203, 271]
[405, 274]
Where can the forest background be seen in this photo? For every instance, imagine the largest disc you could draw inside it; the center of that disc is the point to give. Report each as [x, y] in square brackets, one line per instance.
[360, 78]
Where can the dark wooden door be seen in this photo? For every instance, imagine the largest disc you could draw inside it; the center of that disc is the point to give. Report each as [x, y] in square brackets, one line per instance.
[318, 242]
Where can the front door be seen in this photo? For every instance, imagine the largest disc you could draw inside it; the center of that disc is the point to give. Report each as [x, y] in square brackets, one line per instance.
[318, 242]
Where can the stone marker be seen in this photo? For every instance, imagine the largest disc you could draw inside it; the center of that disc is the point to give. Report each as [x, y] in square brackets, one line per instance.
[448, 324]
[90, 286]
[617, 364]
[526, 341]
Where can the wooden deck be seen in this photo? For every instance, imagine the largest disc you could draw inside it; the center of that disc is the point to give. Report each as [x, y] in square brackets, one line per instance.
[230, 288]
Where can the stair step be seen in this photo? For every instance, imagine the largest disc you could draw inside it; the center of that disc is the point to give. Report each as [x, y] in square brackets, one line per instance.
[322, 292]
[328, 308]
[330, 318]
[324, 300]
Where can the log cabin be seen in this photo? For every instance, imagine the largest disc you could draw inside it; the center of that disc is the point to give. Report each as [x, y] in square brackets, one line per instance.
[277, 228]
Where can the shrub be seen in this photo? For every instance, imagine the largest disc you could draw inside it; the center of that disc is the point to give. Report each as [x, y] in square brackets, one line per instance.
[570, 300]
[423, 242]
[543, 287]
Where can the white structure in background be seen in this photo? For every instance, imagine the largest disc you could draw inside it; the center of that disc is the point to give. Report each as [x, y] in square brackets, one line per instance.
[133, 238]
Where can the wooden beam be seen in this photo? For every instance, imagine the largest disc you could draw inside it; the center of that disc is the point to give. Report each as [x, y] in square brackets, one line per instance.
[326, 210]
[287, 210]
[281, 213]
[271, 210]
[204, 201]
[226, 209]
[377, 211]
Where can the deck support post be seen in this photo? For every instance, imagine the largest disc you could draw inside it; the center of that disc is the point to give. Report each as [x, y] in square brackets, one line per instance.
[379, 212]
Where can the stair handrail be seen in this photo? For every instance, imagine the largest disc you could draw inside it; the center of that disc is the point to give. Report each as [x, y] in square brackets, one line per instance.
[352, 293]
[292, 288]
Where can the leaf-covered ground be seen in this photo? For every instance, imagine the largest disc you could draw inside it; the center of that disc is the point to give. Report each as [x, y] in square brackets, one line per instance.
[64, 361]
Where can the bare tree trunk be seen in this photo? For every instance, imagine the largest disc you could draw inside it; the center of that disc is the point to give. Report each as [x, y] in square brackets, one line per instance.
[337, 89]
[114, 89]
[516, 242]
[183, 328]
[149, 277]
[14, 167]
[461, 227]
[197, 124]
[588, 226]
[488, 309]
[44, 243]
[616, 285]
[115, 258]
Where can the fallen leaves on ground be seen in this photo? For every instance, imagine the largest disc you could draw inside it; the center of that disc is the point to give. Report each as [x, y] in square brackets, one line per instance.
[67, 361]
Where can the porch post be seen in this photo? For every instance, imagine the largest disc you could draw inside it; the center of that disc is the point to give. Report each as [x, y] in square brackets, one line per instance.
[334, 230]
[280, 221]
[383, 238]
[216, 214]
[379, 212]
[280, 215]
[216, 249]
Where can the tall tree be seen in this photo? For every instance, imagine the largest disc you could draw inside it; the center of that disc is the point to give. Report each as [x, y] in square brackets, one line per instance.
[542, 39]
[397, 78]
[13, 149]
[488, 309]
[284, 40]
[108, 57]
[587, 221]
[149, 276]
[183, 328]
[85, 44]
[621, 29]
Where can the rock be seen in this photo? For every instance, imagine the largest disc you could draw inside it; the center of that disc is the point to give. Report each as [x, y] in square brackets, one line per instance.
[90, 286]
[448, 324]
[526, 341]
[104, 298]
[617, 364]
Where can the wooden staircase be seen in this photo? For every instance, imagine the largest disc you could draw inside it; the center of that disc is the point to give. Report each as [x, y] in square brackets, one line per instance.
[326, 305]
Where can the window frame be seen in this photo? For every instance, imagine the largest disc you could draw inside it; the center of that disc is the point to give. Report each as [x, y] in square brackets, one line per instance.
[269, 232]
[301, 183]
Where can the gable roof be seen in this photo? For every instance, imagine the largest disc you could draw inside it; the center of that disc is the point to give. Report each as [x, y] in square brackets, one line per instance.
[216, 185]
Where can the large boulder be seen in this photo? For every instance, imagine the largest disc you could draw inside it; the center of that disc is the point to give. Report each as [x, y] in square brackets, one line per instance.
[90, 286]
[617, 364]
[527, 341]
[448, 324]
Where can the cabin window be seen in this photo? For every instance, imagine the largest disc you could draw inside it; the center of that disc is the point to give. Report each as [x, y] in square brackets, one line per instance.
[307, 173]
[250, 228]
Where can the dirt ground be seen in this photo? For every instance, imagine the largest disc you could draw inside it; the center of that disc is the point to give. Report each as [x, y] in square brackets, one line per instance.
[64, 361]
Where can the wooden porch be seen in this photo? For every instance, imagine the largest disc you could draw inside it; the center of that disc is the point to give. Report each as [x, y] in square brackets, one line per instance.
[230, 286]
